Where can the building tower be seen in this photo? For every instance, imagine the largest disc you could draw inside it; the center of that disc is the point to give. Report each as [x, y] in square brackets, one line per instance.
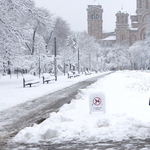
[142, 5]
[143, 14]
[122, 28]
[94, 20]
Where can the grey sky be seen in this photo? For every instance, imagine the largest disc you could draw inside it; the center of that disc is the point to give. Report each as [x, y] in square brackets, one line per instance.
[74, 11]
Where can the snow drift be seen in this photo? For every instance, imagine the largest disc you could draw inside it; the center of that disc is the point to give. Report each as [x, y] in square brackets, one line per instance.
[127, 113]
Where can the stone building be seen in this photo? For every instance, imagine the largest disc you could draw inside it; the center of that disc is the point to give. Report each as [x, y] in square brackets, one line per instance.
[124, 33]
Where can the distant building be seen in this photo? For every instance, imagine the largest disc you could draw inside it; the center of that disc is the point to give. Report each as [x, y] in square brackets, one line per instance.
[124, 33]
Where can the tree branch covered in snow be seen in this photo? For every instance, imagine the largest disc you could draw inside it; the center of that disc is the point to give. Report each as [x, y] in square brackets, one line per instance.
[27, 42]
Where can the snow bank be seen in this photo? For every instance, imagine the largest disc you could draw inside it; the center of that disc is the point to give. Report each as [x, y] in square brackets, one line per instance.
[127, 113]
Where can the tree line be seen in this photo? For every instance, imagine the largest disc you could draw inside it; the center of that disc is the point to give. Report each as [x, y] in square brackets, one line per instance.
[27, 43]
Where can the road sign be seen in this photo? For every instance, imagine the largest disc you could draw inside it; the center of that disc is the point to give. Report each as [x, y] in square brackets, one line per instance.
[97, 102]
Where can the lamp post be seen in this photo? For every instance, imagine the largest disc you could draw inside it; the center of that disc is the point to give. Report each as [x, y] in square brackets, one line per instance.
[39, 64]
[69, 65]
[55, 60]
[64, 62]
[78, 61]
[90, 61]
[64, 68]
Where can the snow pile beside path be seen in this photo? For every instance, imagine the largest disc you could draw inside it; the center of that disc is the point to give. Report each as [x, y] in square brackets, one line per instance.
[127, 113]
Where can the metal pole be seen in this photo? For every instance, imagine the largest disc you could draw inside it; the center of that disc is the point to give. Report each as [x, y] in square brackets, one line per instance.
[90, 61]
[17, 72]
[78, 62]
[55, 53]
[39, 64]
[69, 65]
[64, 68]
[55, 60]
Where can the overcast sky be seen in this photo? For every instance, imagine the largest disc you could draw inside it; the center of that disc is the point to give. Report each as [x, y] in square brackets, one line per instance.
[75, 13]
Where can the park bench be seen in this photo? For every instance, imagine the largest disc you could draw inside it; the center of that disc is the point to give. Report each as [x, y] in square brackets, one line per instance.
[76, 74]
[70, 74]
[47, 78]
[73, 74]
[30, 80]
[87, 72]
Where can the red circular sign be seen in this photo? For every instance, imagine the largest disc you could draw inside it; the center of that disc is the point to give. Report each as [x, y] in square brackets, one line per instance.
[97, 101]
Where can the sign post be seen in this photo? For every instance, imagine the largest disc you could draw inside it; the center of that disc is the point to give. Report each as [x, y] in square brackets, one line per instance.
[97, 102]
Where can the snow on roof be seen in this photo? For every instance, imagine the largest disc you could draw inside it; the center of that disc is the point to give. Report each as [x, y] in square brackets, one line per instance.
[110, 38]
[107, 31]
[133, 14]
[120, 12]
[134, 29]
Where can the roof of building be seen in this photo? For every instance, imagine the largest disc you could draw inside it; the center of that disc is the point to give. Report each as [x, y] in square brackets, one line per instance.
[107, 32]
[133, 14]
[110, 38]
[134, 22]
[122, 12]
[135, 29]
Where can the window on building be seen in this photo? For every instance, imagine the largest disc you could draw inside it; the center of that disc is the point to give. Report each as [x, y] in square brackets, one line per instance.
[94, 16]
[140, 3]
[144, 36]
[118, 19]
[146, 4]
[126, 19]
[122, 39]
[122, 19]
[133, 39]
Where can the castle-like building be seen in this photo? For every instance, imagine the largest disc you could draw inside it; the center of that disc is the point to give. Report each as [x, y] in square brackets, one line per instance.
[124, 33]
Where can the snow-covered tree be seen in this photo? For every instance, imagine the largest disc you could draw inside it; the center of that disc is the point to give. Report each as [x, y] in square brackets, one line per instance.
[13, 15]
[61, 31]
[140, 54]
[90, 51]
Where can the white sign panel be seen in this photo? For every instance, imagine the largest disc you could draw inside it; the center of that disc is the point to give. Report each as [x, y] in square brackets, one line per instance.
[97, 102]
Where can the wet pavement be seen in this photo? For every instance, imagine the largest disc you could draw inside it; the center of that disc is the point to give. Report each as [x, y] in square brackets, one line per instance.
[24, 115]
[132, 144]
[36, 111]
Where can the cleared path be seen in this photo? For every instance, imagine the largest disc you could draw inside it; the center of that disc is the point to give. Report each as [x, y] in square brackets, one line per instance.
[26, 114]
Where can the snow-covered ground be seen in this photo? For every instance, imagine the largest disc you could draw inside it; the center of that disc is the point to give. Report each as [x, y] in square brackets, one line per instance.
[12, 92]
[127, 113]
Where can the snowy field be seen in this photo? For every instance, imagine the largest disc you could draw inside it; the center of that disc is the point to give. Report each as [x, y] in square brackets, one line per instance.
[127, 113]
[12, 92]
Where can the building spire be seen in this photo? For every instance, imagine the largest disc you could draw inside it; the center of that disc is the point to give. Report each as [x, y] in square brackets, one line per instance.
[95, 2]
[122, 8]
